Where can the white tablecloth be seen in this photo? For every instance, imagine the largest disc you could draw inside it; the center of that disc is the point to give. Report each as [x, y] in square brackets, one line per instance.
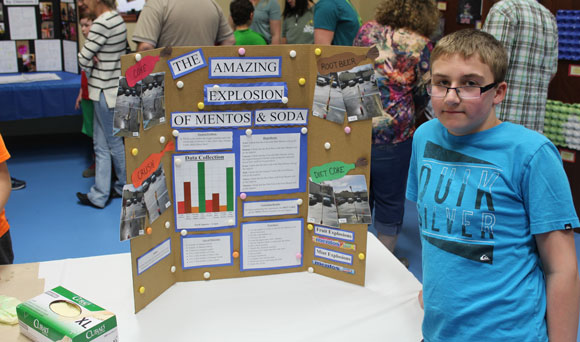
[288, 307]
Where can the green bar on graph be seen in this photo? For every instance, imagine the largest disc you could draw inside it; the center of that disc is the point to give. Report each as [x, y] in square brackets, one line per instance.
[230, 188]
[201, 186]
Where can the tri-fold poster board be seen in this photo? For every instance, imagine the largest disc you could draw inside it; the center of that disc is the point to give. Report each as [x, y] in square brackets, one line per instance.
[38, 35]
[245, 162]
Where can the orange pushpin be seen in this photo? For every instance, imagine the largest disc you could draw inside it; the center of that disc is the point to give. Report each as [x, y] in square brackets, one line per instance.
[236, 254]
[149, 230]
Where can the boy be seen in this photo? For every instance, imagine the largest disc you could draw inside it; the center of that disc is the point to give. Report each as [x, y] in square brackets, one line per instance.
[6, 252]
[494, 207]
[83, 101]
[242, 13]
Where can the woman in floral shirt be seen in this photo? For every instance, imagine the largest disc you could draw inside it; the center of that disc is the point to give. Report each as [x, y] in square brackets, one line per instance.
[400, 31]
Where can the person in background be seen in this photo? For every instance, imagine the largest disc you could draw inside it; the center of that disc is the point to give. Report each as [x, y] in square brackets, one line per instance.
[83, 101]
[6, 251]
[400, 31]
[298, 25]
[83, 9]
[100, 56]
[495, 209]
[242, 12]
[165, 23]
[267, 20]
[529, 33]
[336, 22]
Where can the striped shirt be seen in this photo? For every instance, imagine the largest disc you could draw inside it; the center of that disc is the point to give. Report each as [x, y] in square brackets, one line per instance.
[107, 40]
[529, 33]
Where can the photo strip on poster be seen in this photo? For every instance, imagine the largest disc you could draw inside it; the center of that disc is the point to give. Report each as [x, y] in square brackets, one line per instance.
[353, 93]
[151, 198]
[133, 213]
[145, 100]
[153, 100]
[339, 201]
[127, 109]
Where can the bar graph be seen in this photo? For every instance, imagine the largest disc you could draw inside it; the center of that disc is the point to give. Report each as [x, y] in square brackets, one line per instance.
[204, 190]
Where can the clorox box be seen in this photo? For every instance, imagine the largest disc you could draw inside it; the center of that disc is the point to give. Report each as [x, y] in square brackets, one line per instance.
[60, 315]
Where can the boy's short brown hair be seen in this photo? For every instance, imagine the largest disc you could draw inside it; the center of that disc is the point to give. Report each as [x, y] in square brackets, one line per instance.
[89, 16]
[469, 42]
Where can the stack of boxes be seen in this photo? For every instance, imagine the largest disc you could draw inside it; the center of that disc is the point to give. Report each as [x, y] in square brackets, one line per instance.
[562, 124]
[568, 34]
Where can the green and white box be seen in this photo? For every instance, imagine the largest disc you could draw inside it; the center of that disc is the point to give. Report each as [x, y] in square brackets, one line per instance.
[60, 315]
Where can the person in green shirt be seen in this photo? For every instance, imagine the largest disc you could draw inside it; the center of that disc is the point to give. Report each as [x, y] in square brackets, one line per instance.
[242, 13]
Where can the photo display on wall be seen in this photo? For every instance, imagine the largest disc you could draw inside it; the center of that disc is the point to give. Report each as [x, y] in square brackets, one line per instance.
[39, 36]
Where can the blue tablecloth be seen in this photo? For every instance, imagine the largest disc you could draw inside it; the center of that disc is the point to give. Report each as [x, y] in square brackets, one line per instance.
[40, 99]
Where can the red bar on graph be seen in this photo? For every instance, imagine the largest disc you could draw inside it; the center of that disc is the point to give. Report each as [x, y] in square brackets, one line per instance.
[215, 199]
[187, 196]
[208, 206]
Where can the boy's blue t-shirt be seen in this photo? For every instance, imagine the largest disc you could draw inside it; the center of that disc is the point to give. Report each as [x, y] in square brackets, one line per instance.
[338, 16]
[481, 198]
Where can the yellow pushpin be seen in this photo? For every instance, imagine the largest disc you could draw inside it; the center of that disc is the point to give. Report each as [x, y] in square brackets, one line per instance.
[142, 290]
[135, 151]
[361, 256]
[310, 226]
[302, 81]
[200, 105]
[317, 52]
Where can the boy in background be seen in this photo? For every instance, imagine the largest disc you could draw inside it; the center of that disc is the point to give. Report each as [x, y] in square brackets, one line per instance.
[83, 101]
[242, 13]
[494, 206]
[6, 252]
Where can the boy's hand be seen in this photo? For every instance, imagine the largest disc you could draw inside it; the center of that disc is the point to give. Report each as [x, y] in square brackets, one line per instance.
[78, 101]
[420, 298]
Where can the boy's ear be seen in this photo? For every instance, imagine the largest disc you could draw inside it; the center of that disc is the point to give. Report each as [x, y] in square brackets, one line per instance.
[500, 92]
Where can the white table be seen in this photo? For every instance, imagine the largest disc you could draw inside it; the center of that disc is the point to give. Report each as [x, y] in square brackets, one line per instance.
[288, 307]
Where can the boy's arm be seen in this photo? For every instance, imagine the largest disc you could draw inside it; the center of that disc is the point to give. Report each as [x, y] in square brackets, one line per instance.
[558, 256]
[5, 185]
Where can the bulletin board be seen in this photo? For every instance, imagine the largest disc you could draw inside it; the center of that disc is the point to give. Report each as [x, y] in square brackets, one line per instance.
[271, 216]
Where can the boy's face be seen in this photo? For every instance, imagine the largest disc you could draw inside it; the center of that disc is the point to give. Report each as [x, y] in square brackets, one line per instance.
[86, 26]
[465, 116]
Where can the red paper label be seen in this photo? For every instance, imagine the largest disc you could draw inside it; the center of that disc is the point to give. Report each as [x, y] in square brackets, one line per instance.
[149, 165]
[141, 70]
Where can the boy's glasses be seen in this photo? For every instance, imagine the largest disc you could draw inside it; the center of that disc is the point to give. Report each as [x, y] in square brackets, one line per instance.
[466, 92]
